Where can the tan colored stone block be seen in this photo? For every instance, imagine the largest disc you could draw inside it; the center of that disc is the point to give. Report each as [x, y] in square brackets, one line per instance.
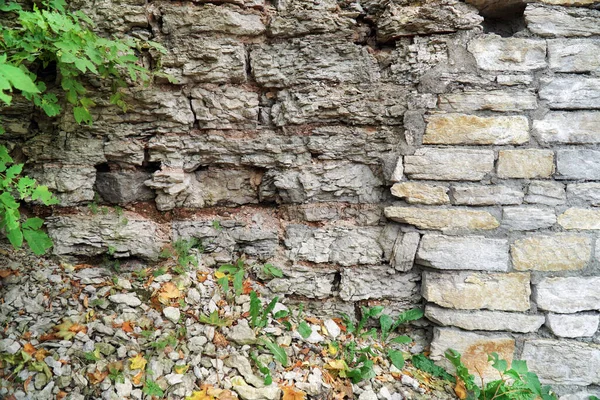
[474, 350]
[471, 129]
[421, 193]
[494, 100]
[525, 164]
[562, 252]
[477, 290]
[455, 164]
[442, 218]
[495, 53]
[580, 218]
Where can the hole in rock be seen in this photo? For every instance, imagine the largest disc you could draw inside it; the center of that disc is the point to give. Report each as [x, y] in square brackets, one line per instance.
[103, 167]
[504, 18]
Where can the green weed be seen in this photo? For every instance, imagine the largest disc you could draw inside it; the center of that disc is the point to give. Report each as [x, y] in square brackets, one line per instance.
[516, 383]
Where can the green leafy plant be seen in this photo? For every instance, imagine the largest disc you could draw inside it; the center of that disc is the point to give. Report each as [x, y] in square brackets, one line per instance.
[304, 329]
[169, 340]
[116, 375]
[268, 379]
[277, 351]
[214, 319]
[427, 365]
[358, 361]
[92, 355]
[151, 388]
[49, 35]
[183, 249]
[259, 317]
[272, 271]
[516, 383]
[234, 273]
[13, 188]
[22, 359]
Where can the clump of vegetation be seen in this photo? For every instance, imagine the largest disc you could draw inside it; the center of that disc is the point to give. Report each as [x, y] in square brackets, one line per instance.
[516, 382]
[356, 362]
[47, 35]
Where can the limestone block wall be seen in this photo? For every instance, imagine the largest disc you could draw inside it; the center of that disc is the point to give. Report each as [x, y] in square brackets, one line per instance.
[394, 151]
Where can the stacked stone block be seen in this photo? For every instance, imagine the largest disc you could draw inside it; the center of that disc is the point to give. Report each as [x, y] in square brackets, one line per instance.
[376, 151]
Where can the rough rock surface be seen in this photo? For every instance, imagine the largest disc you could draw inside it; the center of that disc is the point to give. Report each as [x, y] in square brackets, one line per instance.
[474, 348]
[367, 148]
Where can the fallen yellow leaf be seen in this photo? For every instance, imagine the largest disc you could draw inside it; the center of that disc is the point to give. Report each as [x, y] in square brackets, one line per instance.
[138, 362]
[200, 395]
[181, 369]
[332, 349]
[219, 274]
[339, 365]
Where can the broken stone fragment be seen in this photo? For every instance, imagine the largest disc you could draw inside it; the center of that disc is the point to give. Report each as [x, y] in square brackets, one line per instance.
[425, 18]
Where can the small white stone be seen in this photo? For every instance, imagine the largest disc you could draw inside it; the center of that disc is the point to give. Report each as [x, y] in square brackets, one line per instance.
[124, 283]
[367, 395]
[172, 314]
[124, 389]
[129, 299]
[174, 379]
[332, 328]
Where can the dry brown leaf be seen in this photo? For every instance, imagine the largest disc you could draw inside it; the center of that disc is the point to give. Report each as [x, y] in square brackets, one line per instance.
[247, 287]
[26, 384]
[40, 354]
[83, 266]
[137, 378]
[61, 395]
[28, 348]
[460, 389]
[127, 326]
[313, 320]
[86, 301]
[289, 393]
[5, 272]
[26, 335]
[47, 336]
[76, 328]
[219, 340]
[167, 292]
[343, 390]
[97, 376]
[202, 276]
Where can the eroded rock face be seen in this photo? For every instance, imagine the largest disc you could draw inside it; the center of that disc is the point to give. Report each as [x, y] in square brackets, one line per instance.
[426, 17]
[376, 151]
[129, 235]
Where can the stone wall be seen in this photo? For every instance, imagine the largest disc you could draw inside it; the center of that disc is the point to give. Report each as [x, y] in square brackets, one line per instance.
[293, 119]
